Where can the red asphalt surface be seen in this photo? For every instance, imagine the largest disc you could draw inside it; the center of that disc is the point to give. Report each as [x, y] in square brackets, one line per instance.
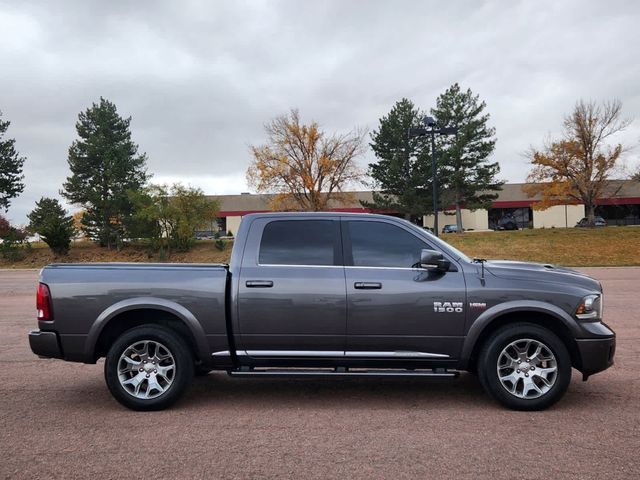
[59, 421]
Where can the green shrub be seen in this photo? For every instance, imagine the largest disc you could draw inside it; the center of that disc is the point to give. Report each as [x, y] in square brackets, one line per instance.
[175, 212]
[14, 242]
[51, 222]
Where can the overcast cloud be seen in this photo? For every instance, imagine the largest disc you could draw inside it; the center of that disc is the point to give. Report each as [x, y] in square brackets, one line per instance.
[201, 78]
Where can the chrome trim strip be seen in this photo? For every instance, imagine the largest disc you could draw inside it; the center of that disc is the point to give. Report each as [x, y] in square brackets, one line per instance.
[349, 373]
[340, 266]
[305, 266]
[396, 354]
[357, 267]
[291, 353]
[221, 353]
[338, 353]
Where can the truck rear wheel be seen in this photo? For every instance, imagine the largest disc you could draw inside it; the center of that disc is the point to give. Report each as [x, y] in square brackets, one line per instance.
[525, 367]
[148, 368]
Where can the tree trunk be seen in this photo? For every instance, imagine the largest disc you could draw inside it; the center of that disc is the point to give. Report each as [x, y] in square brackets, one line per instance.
[591, 215]
[458, 217]
[107, 232]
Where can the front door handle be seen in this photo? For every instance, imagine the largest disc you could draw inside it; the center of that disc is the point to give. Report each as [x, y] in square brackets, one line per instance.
[367, 285]
[259, 283]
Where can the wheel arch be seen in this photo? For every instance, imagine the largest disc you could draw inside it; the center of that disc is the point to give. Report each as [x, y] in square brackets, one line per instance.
[546, 316]
[131, 313]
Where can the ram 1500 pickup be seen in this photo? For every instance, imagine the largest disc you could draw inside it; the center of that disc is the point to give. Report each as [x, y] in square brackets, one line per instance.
[327, 294]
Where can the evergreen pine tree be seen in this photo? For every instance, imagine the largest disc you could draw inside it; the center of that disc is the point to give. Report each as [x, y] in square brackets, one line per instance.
[11, 164]
[467, 178]
[105, 165]
[403, 170]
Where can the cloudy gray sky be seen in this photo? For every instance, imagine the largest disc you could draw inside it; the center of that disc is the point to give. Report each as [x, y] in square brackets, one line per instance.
[200, 78]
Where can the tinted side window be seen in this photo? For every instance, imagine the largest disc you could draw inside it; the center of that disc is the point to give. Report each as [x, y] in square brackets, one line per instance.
[299, 242]
[378, 244]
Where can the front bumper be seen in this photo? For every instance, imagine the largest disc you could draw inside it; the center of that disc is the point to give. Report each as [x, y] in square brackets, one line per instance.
[45, 344]
[596, 355]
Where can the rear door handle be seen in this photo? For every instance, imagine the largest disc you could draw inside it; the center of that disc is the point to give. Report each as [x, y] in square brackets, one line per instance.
[259, 283]
[367, 285]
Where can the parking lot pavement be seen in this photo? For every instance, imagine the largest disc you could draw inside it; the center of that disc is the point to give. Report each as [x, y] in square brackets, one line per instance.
[59, 421]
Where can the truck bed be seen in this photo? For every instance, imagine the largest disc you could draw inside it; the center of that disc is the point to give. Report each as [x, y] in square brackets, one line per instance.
[88, 295]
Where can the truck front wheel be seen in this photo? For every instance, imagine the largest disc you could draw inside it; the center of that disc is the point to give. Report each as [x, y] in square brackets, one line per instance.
[148, 368]
[525, 367]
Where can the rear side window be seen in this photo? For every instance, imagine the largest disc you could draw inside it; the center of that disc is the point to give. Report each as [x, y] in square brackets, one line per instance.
[379, 244]
[300, 242]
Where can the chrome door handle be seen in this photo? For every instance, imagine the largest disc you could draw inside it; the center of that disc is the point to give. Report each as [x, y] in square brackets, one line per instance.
[259, 283]
[367, 285]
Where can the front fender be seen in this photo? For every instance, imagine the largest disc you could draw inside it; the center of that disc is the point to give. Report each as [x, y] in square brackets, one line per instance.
[151, 303]
[491, 314]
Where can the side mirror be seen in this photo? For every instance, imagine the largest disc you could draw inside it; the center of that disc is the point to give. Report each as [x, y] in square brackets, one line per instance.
[434, 261]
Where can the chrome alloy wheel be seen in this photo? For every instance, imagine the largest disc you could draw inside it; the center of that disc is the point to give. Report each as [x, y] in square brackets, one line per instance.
[527, 368]
[146, 369]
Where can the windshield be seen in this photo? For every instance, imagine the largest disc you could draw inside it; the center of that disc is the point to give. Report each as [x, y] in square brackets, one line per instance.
[442, 244]
[454, 250]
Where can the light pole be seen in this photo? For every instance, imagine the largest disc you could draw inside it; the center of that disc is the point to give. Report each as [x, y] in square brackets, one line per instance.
[419, 132]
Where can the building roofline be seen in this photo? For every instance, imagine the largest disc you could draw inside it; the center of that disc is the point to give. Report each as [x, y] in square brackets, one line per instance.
[511, 196]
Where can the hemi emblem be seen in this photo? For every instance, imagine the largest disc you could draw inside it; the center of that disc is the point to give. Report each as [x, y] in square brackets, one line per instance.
[478, 305]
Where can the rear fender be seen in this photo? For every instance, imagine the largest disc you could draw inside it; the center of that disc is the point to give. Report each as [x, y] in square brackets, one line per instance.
[151, 303]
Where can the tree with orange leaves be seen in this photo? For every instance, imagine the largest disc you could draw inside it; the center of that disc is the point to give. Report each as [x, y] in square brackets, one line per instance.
[304, 167]
[577, 167]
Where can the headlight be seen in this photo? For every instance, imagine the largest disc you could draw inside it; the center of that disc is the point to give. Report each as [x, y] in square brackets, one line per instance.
[590, 308]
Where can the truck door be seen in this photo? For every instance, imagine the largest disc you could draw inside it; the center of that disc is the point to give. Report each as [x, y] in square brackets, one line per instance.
[291, 292]
[396, 309]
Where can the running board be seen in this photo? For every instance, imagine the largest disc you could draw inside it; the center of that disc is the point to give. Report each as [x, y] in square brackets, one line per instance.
[340, 372]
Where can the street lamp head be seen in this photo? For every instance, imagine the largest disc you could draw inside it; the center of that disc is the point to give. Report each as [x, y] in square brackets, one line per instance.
[429, 121]
[448, 130]
[417, 132]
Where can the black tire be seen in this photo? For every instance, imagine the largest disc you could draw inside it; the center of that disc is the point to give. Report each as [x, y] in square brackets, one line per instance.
[181, 375]
[492, 351]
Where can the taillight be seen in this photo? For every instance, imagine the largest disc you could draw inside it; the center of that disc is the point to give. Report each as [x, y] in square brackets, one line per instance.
[43, 303]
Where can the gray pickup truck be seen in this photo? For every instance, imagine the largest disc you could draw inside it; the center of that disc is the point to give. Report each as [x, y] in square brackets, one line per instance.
[328, 294]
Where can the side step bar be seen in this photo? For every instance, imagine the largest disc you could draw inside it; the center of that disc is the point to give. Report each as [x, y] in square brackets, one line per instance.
[340, 372]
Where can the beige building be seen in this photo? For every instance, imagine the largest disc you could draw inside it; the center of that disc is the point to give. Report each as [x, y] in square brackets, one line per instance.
[558, 216]
[471, 219]
[621, 205]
